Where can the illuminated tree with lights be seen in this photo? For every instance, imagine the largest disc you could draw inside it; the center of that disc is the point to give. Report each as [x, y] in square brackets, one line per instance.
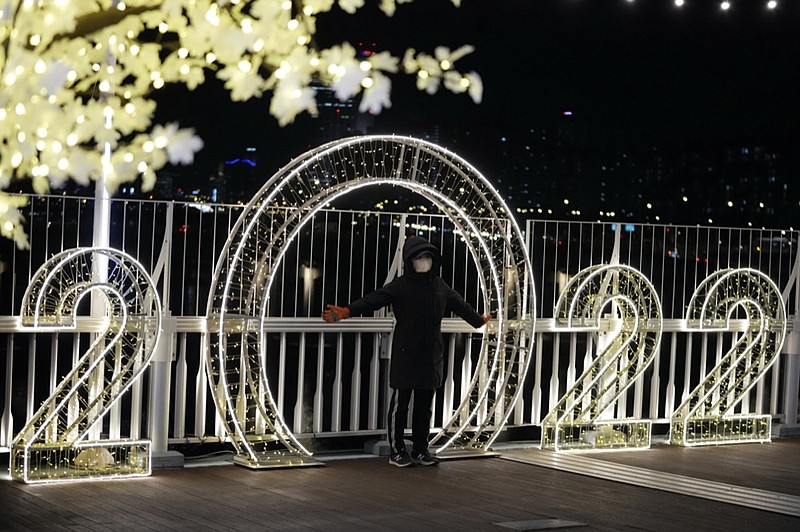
[78, 77]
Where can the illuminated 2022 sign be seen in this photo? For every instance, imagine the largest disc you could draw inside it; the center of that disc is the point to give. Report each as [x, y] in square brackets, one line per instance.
[54, 445]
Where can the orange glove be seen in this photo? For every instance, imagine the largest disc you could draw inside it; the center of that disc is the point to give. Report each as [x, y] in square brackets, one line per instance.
[486, 318]
[335, 313]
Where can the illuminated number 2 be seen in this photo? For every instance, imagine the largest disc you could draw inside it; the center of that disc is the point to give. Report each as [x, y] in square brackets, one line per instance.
[707, 415]
[584, 417]
[55, 444]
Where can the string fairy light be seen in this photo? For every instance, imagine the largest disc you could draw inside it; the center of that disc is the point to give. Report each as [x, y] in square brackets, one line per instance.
[55, 445]
[706, 416]
[724, 5]
[578, 421]
[265, 233]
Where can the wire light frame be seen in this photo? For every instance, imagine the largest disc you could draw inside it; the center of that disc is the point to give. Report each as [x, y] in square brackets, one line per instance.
[56, 444]
[584, 417]
[707, 416]
[237, 306]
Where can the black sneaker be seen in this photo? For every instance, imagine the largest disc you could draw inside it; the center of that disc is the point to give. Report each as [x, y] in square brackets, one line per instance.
[424, 458]
[401, 459]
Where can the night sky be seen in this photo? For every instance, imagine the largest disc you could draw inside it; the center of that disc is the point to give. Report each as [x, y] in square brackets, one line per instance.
[631, 72]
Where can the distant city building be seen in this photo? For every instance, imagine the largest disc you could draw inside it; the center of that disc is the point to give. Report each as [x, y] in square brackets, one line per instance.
[556, 170]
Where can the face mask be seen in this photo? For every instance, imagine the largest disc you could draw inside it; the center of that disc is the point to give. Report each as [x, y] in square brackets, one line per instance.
[423, 265]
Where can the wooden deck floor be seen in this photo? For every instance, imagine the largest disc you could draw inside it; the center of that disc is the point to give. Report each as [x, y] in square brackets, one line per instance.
[365, 493]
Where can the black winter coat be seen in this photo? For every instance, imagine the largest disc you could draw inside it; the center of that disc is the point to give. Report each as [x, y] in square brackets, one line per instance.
[419, 302]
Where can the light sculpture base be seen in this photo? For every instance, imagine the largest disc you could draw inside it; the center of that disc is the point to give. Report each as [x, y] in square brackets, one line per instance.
[717, 430]
[276, 460]
[597, 435]
[63, 462]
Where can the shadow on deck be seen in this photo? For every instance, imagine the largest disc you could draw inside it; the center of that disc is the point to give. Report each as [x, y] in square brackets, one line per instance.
[663, 488]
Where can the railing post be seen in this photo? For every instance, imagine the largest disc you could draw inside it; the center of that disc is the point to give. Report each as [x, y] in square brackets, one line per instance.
[159, 401]
[7, 419]
[161, 365]
[791, 351]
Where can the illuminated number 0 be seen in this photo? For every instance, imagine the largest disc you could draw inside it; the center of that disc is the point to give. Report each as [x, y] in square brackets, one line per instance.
[54, 445]
[584, 417]
[707, 415]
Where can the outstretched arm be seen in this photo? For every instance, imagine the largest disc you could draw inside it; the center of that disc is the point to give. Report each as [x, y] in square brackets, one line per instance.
[369, 303]
[465, 311]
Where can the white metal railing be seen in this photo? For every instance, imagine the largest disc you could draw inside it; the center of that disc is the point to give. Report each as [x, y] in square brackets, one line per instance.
[330, 380]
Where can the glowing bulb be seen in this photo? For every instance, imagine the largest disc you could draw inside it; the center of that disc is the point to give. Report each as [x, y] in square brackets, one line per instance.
[772, 4]
[679, 3]
[284, 70]
[725, 6]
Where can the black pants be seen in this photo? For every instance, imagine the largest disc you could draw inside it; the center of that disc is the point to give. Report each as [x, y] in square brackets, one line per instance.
[420, 422]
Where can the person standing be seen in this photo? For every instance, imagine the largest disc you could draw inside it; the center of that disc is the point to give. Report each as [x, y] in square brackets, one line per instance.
[420, 299]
